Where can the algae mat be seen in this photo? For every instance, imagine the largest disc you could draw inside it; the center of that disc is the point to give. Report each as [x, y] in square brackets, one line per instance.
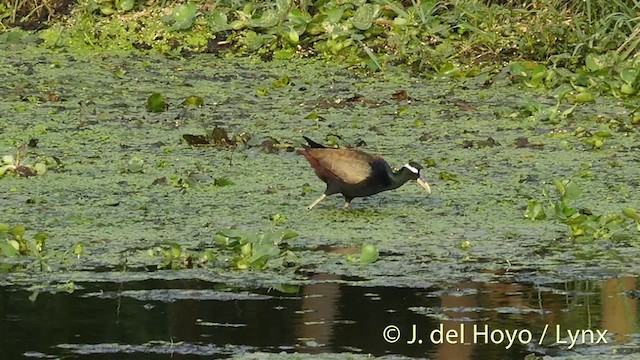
[86, 115]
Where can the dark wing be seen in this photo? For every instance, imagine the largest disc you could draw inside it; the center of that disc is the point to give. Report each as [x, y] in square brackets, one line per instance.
[348, 166]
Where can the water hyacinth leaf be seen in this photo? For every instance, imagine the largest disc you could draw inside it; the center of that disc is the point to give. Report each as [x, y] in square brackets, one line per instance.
[286, 234]
[7, 248]
[369, 254]
[535, 211]
[232, 233]
[264, 250]
[518, 69]
[572, 190]
[293, 36]
[268, 19]
[627, 89]
[631, 213]
[8, 159]
[107, 10]
[299, 19]
[183, 16]
[17, 231]
[40, 239]
[585, 96]
[125, 5]
[364, 16]
[194, 101]
[3, 169]
[283, 6]
[78, 249]
[156, 103]
[594, 62]
[218, 21]
[449, 69]
[629, 75]
[246, 249]
[287, 288]
[334, 14]
[253, 40]
[602, 134]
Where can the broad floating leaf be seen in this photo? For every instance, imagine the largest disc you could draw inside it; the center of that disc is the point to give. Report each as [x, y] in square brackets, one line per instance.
[156, 103]
[369, 254]
[364, 16]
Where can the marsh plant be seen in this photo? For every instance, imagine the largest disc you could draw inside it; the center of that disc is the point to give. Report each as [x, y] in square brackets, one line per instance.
[15, 165]
[15, 244]
[582, 223]
[257, 251]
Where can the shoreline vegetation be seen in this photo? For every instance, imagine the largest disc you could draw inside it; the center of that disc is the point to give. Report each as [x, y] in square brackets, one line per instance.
[451, 38]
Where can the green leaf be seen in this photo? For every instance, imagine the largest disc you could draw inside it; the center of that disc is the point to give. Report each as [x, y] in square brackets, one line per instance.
[232, 233]
[631, 213]
[194, 101]
[293, 36]
[8, 159]
[518, 69]
[571, 190]
[17, 231]
[156, 103]
[535, 211]
[585, 96]
[334, 14]
[268, 19]
[218, 21]
[7, 249]
[3, 169]
[629, 75]
[287, 288]
[369, 254]
[364, 16]
[125, 5]
[449, 69]
[594, 62]
[183, 16]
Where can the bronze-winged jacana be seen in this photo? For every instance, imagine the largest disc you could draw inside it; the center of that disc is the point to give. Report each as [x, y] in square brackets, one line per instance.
[354, 173]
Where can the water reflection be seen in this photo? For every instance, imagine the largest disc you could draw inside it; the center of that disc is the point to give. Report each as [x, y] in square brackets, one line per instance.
[190, 317]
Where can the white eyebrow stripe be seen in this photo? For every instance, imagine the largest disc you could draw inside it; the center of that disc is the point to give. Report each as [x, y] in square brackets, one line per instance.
[413, 170]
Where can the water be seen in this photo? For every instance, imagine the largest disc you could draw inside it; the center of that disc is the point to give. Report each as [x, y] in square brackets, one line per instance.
[191, 318]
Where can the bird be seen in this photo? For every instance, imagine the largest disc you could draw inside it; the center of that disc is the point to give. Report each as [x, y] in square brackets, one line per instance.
[355, 173]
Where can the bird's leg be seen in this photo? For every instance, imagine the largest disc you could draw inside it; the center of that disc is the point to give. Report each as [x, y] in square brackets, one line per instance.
[316, 202]
[347, 203]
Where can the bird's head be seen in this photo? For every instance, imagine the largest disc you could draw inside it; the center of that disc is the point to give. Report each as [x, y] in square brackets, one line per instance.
[416, 172]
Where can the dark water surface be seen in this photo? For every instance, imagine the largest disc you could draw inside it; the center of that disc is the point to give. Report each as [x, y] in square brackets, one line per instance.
[191, 318]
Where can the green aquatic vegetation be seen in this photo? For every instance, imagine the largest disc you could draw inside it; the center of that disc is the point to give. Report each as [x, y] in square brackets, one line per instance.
[182, 16]
[583, 223]
[604, 73]
[194, 100]
[109, 7]
[218, 137]
[541, 112]
[15, 244]
[257, 251]
[156, 103]
[174, 257]
[15, 165]
[134, 165]
[368, 254]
